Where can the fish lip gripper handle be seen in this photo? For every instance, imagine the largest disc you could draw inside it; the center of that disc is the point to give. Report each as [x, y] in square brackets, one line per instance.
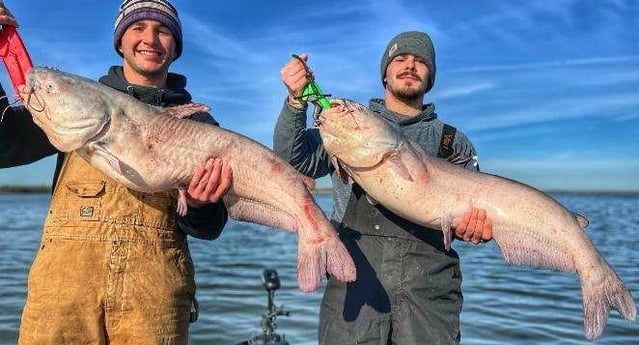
[15, 57]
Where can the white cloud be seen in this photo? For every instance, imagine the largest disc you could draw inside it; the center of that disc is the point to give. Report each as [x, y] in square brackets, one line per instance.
[549, 64]
[457, 91]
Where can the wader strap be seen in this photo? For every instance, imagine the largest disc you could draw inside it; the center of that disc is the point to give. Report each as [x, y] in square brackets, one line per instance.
[60, 162]
[350, 215]
[446, 143]
[195, 312]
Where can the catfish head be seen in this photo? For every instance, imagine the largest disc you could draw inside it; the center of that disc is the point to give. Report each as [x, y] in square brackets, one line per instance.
[358, 137]
[70, 109]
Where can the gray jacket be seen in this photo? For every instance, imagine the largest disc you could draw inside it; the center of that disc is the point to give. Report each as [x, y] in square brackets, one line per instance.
[302, 146]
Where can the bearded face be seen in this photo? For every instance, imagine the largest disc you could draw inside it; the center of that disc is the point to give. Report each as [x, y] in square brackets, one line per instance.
[407, 77]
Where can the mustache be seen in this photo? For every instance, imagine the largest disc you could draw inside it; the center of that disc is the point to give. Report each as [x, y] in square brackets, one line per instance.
[409, 73]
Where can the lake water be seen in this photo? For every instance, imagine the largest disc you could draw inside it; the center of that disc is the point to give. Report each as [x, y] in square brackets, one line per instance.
[503, 304]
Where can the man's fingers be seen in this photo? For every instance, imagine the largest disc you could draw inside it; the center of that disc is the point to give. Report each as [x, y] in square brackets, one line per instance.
[462, 226]
[303, 57]
[225, 183]
[487, 234]
[295, 81]
[201, 184]
[197, 175]
[481, 215]
[472, 225]
[294, 73]
[297, 64]
[6, 18]
[477, 233]
[214, 178]
[297, 85]
[480, 226]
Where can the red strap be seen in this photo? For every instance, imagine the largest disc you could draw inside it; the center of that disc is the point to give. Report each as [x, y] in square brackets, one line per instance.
[15, 56]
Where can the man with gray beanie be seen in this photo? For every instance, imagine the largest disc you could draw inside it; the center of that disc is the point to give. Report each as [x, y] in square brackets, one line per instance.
[408, 288]
[114, 264]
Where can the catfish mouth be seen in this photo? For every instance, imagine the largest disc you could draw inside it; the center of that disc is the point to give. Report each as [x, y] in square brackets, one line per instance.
[318, 119]
[36, 85]
[337, 117]
[32, 86]
[41, 105]
[63, 134]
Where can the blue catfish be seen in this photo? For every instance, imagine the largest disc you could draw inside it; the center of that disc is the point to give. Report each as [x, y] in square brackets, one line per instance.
[150, 149]
[530, 227]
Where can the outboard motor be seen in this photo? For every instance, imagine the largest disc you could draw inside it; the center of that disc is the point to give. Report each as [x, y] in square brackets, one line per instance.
[271, 282]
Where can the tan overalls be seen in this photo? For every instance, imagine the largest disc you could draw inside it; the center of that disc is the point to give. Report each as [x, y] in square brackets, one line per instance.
[112, 267]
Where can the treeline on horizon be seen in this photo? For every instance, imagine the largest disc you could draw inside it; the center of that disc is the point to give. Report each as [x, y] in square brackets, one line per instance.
[25, 189]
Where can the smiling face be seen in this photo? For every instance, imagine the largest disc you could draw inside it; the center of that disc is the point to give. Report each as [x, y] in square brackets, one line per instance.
[148, 48]
[407, 77]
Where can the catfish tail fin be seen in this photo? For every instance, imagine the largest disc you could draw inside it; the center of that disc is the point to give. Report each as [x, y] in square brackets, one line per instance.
[598, 299]
[320, 251]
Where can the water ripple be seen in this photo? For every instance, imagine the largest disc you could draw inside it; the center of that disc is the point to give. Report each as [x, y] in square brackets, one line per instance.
[502, 304]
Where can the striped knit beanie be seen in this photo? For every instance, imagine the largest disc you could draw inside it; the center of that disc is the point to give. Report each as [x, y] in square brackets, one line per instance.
[132, 11]
[414, 43]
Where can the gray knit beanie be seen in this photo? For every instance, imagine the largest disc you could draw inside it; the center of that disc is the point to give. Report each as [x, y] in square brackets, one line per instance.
[414, 43]
[161, 10]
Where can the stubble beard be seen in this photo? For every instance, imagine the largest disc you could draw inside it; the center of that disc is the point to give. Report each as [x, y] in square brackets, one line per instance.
[406, 92]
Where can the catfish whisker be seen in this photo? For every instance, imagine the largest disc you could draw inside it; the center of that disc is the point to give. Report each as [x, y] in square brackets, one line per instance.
[350, 111]
[8, 106]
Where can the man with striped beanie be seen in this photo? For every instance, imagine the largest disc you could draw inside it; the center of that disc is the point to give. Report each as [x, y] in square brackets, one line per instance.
[114, 264]
[162, 11]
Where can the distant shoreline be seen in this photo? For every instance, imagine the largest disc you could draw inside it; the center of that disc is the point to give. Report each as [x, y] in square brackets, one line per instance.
[321, 191]
[25, 189]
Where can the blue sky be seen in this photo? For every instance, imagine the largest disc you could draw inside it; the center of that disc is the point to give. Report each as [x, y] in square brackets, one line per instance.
[548, 91]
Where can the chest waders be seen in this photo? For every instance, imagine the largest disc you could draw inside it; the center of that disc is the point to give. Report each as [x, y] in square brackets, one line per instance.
[408, 288]
[112, 266]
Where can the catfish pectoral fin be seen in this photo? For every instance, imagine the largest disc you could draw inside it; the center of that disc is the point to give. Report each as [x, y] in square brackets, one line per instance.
[400, 169]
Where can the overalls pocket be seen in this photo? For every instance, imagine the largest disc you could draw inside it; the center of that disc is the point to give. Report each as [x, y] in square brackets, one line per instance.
[78, 201]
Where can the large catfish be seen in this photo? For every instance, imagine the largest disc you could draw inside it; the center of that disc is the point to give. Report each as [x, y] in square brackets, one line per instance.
[148, 149]
[529, 226]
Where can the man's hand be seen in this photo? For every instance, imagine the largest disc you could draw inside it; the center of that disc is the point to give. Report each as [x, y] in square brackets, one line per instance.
[475, 227]
[209, 183]
[6, 18]
[294, 77]
[23, 93]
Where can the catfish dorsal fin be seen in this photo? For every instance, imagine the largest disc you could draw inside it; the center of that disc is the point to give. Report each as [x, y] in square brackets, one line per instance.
[581, 220]
[185, 110]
